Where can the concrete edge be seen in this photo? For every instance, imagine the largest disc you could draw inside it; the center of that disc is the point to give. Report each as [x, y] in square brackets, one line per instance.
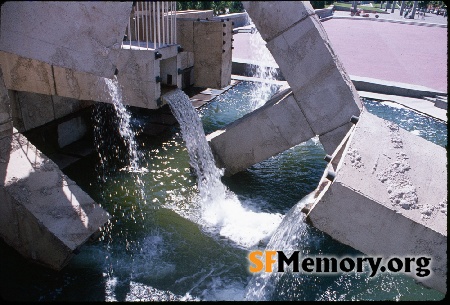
[418, 23]
[244, 67]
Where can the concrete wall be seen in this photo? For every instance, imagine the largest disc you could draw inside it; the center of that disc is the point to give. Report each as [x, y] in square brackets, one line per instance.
[212, 53]
[210, 43]
[69, 37]
[389, 196]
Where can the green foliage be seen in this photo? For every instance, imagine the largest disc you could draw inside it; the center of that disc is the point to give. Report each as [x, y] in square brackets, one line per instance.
[219, 7]
[320, 4]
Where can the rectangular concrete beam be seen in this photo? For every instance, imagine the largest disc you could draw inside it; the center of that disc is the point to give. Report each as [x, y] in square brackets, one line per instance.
[389, 201]
[82, 36]
[265, 132]
[44, 215]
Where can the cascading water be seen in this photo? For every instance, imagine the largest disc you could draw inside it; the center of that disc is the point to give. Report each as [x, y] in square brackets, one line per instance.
[264, 69]
[287, 238]
[221, 210]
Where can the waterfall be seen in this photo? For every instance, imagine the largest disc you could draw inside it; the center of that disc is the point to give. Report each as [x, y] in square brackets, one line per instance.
[264, 69]
[125, 130]
[287, 238]
[221, 211]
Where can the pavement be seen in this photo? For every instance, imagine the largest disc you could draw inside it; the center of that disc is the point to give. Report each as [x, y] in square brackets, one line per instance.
[389, 48]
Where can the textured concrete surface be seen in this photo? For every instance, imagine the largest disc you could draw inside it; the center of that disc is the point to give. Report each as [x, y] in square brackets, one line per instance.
[389, 201]
[269, 130]
[69, 37]
[212, 53]
[44, 215]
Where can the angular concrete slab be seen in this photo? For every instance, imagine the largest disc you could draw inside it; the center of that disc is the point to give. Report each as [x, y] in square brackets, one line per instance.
[44, 215]
[85, 36]
[267, 131]
[273, 17]
[389, 196]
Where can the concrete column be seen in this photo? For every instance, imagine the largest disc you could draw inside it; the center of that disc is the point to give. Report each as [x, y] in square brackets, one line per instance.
[212, 53]
[390, 201]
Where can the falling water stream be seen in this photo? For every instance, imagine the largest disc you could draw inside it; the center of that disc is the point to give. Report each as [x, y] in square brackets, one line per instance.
[221, 210]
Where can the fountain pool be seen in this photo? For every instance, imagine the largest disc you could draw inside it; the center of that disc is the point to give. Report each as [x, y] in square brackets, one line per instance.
[158, 251]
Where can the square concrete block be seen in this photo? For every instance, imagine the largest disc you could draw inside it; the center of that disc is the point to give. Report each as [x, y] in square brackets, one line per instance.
[265, 132]
[78, 85]
[273, 17]
[140, 93]
[71, 131]
[301, 53]
[212, 54]
[26, 74]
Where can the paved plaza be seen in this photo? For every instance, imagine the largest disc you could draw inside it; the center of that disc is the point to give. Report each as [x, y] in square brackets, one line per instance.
[391, 48]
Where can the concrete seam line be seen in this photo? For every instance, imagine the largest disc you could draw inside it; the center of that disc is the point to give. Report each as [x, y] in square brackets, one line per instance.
[287, 29]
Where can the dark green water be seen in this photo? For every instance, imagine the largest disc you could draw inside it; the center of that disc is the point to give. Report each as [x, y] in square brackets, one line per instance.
[155, 249]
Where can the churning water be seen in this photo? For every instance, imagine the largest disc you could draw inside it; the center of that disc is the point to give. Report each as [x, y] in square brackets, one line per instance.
[220, 209]
[166, 249]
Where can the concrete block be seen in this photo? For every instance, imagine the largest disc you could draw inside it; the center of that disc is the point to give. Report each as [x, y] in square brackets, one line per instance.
[5, 108]
[137, 64]
[16, 112]
[78, 85]
[71, 131]
[272, 18]
[37, 109]
[85, 36]
[185, 34]
[45, 216]
[403, 183]
[26, 74]
[238, 19]
[302, 53]
[212, 54]
[185, 60]
[267, 131]
[139, 93]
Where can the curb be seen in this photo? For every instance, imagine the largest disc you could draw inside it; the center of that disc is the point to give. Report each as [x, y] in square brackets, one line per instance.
[426, 24]
[245, 68]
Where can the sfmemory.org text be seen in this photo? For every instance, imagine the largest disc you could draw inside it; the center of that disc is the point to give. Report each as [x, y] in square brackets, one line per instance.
[265, 261]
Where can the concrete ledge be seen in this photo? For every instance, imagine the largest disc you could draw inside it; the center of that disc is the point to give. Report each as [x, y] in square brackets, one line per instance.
[245, 67]
[426, 24]
[392, 88]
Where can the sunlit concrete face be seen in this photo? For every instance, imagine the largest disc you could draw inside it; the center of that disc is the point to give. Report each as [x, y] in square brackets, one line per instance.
[389, 196]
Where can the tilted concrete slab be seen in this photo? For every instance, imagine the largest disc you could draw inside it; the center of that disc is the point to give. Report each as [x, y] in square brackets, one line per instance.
[389, 196]
[44, 215]
[323, 91]
[271, 129]
[138, 70]
[82, 36]
[302, 50]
